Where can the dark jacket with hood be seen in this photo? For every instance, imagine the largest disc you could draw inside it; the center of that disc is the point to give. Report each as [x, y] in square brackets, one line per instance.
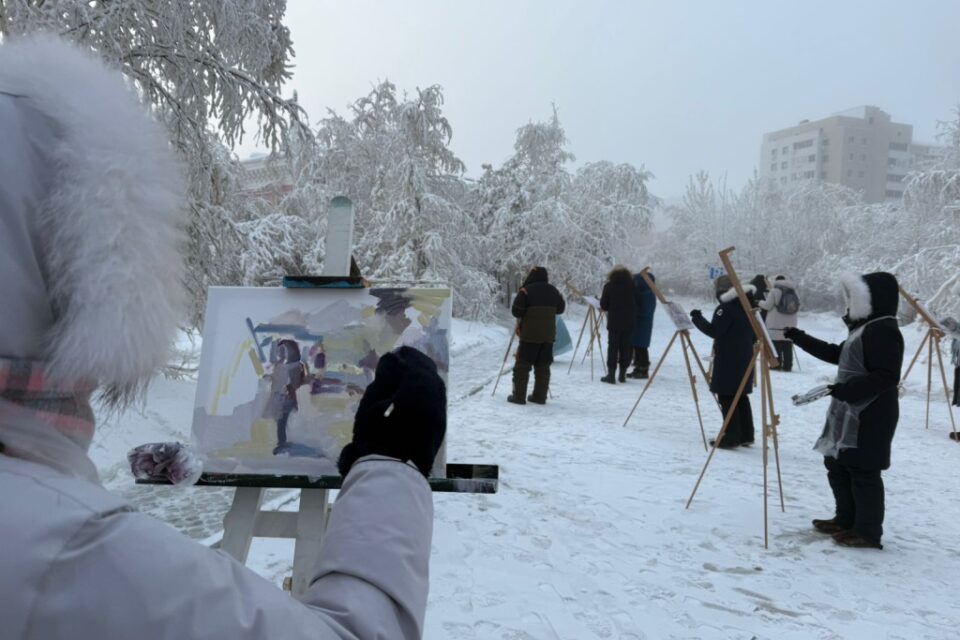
[646, 304]
[618, 301]
[872, 298]
[536, 306]
[733, 340]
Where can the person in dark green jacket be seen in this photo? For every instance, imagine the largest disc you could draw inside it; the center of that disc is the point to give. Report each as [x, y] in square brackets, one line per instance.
[536, 307]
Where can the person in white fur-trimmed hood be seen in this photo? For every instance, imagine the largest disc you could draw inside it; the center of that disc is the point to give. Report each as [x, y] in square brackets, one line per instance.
[91, 224]
[864, 409]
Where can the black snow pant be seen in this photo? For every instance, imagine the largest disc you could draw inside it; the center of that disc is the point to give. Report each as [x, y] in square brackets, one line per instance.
[619, 346]
[859, 496]
[740, 429]
[641, 358]
[956, 386]
[784, 354]
[537, 356]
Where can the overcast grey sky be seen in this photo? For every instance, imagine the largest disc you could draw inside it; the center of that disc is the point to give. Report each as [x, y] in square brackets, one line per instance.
[676, 85]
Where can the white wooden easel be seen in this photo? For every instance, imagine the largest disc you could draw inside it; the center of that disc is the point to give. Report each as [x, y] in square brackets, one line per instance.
[246, 520]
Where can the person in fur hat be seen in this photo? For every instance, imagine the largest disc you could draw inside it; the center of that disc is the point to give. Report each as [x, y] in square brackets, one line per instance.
[536, 307]
[91, 225]
[646, 305]
[733, 340]
[864, 408]
[619, 302]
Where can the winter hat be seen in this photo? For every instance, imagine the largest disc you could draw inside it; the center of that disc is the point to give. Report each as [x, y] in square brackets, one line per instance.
[91, 221]
[403, 413]
[537, 274]
[722, 284]
[869, 296]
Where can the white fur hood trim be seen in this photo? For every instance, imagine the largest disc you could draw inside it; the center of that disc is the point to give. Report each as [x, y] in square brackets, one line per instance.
[731, 293]
[857, 295]
[113, 221]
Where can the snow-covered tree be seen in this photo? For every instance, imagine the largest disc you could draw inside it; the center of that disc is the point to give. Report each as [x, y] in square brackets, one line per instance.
[208, 68]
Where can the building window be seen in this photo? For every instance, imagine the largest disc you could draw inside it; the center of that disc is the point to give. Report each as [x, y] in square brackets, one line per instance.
[812, 158]
[898, 146]
[891, 162]
[783, 180]
[783, 165]
[892, 177]
[890, 193]
[809, 174]
[785, 149]
[824, 158]
[773, 152]
[773, 166]
[823, 175]
[803, 144]
[825, 142]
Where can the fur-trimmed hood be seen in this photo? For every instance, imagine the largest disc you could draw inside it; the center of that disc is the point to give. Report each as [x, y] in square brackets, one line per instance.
[731, 293]
[620, 274]
[870, 296]
[92, 195]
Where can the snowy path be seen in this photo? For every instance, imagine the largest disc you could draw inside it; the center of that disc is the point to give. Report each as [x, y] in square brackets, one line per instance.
[588, 536]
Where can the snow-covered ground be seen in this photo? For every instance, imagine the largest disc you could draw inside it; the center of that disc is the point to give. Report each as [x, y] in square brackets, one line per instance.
[588, 536]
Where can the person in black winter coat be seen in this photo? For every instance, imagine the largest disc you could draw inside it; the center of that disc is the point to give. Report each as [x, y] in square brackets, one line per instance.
[864, 408]
[761, 286]
[618, 301]
[536, 307]
[646, 304]
[733, 340]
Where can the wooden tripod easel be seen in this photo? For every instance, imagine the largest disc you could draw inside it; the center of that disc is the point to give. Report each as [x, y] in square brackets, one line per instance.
[931, 340]
[769, 417]
[592, 319]
[687, 344]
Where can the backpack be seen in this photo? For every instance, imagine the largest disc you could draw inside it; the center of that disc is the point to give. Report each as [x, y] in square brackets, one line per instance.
[789, 302]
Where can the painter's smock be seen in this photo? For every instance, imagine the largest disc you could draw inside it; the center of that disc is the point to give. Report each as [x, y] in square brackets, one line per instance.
[843, 418]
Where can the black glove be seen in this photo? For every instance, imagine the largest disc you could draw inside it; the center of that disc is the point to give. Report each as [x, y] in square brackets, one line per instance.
[696, 313]
[403, 413]
[839, 391]
[791, 333]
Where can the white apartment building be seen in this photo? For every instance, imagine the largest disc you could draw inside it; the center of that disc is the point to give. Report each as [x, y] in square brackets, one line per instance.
[861, 148]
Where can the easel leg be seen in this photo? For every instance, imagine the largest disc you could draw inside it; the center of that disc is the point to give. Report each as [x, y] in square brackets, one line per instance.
[929, 378]
[505, 356]
[706, 375]
[652, 377]
[684, 340]
[726, 423]
[766, 433]
[774, 424]
[311, 525]
[915, 356]
[573, 357]
[239, 523]
[946, 389]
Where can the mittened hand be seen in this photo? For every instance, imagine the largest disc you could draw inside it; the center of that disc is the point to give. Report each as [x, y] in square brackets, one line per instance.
[403, 413]
[696, 313]
[839, 391]
[791, 333]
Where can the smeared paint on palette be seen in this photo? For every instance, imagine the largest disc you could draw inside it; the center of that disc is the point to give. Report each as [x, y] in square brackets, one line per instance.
[282, 370]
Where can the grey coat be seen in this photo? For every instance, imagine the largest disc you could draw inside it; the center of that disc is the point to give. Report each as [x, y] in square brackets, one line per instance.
[79, 562]
[776, 321]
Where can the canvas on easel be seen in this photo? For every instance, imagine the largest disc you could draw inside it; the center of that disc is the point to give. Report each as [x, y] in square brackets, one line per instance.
[682, 323]
[283, 370]
[593, 321]
[770, 420]
[934, 334]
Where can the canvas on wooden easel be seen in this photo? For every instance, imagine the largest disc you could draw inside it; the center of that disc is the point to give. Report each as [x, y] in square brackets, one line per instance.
[283, 370]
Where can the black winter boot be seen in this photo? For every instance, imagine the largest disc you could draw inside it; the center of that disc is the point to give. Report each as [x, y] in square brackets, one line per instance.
[521, 375]
[623, 373]
[541, 384]
[611, 377]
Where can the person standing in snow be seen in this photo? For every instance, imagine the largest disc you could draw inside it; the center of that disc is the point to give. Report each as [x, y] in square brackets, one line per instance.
[619, 302]
[864, 408]
[733, 340]
[761, 286]
[91, 225]
[288, 375]
[781, 305]
[953, 327]
[645, 305]
[536, 307]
